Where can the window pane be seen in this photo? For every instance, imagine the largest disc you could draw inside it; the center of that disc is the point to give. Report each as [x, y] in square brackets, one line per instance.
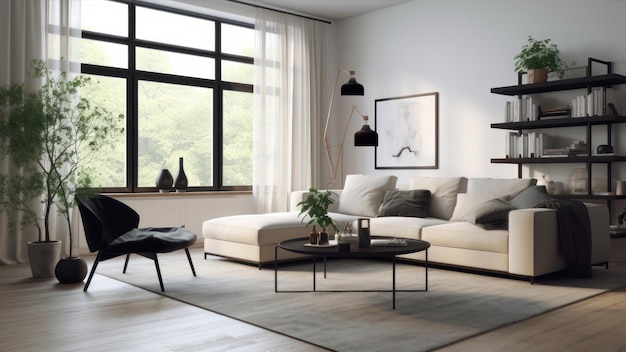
[175, 63]
[104, 54]
[98, 15]
[170, 28]
[109, 169]
[175, 121]
[237, 72]
[237, 40]
[237, 132]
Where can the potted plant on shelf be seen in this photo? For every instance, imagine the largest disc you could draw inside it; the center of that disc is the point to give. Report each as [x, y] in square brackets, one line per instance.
[539, 57]
[315, 207]
[50, 135]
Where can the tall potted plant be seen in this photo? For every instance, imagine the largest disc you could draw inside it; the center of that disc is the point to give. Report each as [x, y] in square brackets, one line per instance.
[51, 134]
[539, 57]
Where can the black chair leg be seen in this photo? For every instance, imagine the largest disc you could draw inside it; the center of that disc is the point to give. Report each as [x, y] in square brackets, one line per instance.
[93, 270]
[156, 264]
[190, 262]
[126, 263]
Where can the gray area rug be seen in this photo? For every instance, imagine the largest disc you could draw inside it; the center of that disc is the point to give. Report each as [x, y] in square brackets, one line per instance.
[456, 306]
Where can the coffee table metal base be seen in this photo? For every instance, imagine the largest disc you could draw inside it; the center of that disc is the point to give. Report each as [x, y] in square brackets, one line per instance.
[393, 289]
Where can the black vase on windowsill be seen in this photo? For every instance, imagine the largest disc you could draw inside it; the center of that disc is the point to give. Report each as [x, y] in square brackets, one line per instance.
[164, 181]
[181, 179]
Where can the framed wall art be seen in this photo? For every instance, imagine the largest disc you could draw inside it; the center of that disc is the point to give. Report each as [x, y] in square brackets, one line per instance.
[408, 132]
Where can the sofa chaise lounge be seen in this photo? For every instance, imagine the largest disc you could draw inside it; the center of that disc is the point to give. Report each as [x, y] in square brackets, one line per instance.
[477, 223]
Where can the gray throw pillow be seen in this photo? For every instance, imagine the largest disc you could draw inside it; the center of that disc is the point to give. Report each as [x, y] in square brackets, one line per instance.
[494, 211]
[530, 197]
[411, 203]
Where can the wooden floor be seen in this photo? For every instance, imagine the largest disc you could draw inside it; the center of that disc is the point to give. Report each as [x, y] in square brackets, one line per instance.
[597, 324]
[42, 315]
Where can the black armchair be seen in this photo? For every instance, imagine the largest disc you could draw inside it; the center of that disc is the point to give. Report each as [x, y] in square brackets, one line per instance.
[111, 229]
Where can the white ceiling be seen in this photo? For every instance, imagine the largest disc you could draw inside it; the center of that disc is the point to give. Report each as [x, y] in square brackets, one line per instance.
[329, 9]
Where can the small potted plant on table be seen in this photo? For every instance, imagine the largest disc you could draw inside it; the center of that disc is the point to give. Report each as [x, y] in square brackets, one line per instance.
[315, 206]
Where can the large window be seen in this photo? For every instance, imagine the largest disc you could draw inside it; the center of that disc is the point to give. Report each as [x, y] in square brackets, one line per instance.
[184, 83]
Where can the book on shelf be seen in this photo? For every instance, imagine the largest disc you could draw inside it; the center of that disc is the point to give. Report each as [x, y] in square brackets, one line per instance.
[556, 151]
[557, 112]
[520, 109]
[554, 155]
[524, 145]
[592, 104]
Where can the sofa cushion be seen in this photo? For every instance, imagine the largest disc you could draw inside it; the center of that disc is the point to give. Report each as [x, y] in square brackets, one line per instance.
[530, 197]
[493, 212]
[362, 195]
[401, 226]
[466, 201]
[500, 187]
[412, 203]
[467, 236]
[256, 229]
[443, 191]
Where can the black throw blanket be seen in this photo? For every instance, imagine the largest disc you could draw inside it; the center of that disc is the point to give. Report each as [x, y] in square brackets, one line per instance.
[574, 234]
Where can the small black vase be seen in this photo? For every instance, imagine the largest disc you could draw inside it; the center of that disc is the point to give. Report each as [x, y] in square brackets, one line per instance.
[181, 179]
[71, 270]
[164, 181]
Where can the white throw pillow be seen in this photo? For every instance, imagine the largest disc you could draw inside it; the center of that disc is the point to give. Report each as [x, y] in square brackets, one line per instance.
[466, 202]
[500, 187]
[362, 195]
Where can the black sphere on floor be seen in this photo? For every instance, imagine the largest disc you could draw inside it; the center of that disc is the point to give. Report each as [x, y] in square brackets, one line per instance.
[71, 270]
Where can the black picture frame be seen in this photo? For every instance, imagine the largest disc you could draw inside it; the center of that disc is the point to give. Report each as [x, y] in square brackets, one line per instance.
[408, 132]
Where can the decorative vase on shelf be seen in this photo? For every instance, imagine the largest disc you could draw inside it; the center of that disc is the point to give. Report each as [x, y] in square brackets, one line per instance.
[550, 185]
[164, 181]
[577, 182]
[181, 179]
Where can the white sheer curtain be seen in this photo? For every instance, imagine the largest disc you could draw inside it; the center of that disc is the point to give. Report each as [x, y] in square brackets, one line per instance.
[24, 27]
[63, 54]
[286, 107]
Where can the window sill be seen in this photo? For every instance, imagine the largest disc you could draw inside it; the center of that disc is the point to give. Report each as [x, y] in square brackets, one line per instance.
[179, 194]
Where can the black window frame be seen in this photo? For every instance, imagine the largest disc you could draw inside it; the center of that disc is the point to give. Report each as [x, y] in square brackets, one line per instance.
[133, 76]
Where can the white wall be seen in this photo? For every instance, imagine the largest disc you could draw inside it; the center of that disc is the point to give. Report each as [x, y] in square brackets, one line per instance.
[461, 49]
[176, 209]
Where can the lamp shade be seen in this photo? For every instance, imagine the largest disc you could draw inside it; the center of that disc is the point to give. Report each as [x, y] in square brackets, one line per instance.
[366, 137]
[352, 88]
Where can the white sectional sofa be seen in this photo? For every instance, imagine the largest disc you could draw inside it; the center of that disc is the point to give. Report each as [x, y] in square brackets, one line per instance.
[479, 223]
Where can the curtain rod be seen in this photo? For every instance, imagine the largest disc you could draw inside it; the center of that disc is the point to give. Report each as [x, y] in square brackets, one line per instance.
[281, 11]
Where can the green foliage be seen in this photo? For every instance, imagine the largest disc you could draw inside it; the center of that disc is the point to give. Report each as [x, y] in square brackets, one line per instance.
[540, 54]
[52, 134]
[315, 206]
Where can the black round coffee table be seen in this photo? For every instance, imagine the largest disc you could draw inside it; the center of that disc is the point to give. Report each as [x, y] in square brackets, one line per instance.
[300, 245]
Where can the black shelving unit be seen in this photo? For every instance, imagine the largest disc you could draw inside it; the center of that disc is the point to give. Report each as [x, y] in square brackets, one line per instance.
[590, 81]
[560, 85]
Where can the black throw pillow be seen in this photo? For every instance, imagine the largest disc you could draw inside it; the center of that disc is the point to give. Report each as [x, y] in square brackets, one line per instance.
[409, 203]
